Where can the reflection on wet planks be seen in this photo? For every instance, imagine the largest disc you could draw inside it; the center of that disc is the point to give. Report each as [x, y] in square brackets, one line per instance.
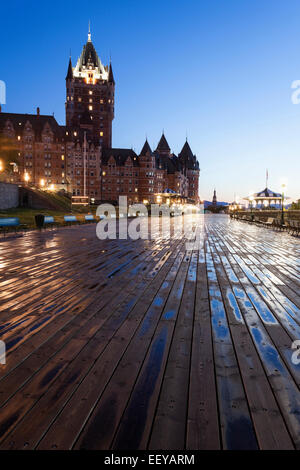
[143, 344]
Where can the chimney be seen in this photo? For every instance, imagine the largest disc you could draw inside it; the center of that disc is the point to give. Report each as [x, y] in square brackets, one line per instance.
[38, 111]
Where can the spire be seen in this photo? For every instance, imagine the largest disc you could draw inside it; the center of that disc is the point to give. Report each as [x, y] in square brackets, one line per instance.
[146, 149]
[163, 146]
[214, 201]
[70, 71]
[110, 74]
[186, 152]
[89, 33]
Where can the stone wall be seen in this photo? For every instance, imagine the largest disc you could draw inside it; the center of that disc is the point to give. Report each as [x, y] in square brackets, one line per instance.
[9, 195]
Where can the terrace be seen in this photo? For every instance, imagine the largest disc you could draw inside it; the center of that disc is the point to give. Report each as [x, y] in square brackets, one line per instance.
[121, 344]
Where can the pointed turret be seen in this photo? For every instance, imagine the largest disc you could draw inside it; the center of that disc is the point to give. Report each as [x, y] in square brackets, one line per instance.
[186, 152]
[163, 146]
[70, 71]
[146, 149]
[110, 75]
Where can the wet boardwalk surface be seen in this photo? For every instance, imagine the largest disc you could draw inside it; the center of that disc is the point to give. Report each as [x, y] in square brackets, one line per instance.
[145, 345]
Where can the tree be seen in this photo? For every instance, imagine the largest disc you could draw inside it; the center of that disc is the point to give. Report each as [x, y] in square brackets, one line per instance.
[8, 154]
[295, 205]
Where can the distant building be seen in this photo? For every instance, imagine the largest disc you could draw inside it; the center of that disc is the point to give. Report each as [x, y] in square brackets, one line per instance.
[79, 157]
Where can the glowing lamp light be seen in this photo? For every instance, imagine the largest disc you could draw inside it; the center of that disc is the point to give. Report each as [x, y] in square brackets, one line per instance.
[52, 187]
[145, 201]
[1, 165]
[26, 177]
[42, 182]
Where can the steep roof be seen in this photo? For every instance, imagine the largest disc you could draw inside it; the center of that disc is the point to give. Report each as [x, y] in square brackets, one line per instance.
[89, 56]
[146, 149]
[70, 71]
[120, 156]
[37, 122]
[186, 151]
[186, 156]
[163, 146]
[110, 75]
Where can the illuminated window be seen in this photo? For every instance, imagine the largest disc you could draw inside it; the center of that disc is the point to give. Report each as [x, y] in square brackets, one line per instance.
[79, 99]
[62, 157]
[19, 137]
[91, 100]
[90, 92]
[75, 133]
[101, 134]
[101, 101]
[91, 108]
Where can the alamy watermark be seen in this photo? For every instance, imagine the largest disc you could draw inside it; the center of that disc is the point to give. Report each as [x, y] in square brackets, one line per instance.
[2, 352]
[296, 353]
[150, 222]
[2, 92]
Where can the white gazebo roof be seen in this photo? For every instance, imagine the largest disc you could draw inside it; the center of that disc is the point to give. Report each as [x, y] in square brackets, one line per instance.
[265, 195]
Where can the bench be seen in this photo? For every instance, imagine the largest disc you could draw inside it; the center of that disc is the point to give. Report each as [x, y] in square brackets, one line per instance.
[269, 222]
[70, 219]
[278, 224]
[10, 223]
[49, 220]
[89, 218]
[257, 220]
[293, 226]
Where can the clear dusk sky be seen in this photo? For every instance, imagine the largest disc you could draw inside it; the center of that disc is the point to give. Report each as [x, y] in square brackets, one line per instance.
[219, 71]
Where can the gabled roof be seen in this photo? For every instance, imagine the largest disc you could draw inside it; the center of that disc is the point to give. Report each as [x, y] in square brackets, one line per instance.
[70, 71]
[146, 149]
[120, 156]
[163, 146]
[37, 122]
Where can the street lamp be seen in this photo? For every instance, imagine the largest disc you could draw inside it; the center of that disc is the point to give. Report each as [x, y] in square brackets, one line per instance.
[251, 199]
[26, 177]
[1, 166]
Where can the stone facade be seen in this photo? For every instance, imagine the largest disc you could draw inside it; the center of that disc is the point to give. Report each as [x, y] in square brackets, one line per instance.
[9, 196]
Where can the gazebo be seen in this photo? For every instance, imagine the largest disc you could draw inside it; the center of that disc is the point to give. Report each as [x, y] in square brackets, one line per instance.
[265, 198]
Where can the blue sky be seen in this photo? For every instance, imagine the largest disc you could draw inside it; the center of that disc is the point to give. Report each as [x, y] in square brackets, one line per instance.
[219, 71]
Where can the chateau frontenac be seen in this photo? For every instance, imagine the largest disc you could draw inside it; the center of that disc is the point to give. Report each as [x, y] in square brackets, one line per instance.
[79, 156]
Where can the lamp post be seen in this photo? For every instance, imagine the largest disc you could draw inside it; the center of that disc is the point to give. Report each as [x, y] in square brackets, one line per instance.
[251, 198]
[282, 203]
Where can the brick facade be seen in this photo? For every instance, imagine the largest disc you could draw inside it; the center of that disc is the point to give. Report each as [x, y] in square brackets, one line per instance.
[79, 157]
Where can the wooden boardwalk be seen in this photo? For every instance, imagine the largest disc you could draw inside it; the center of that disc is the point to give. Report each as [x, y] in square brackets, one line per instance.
[144, 345]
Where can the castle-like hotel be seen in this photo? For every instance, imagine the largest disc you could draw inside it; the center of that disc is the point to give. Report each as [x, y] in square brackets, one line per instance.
[79, 157]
